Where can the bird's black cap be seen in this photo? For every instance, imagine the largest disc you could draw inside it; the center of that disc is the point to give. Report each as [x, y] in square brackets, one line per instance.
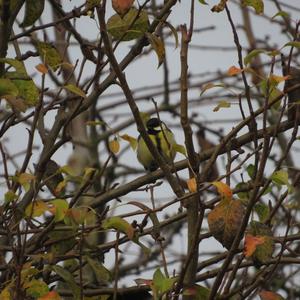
[152, 123]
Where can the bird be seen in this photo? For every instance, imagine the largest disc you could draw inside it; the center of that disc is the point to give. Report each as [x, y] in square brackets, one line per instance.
[163, 138]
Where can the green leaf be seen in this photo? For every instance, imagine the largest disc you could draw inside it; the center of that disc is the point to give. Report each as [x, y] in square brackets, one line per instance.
[180, 149]
[251, 171]
[7, 87]
[36, 288]
[262, 211]
[10, 196]
[24, 84]
[33, 10]
[92, 3]
[242, 195]
[118, 27]
[258, 5]
[49, 55]
[263, 252]
[18, 65]
[270, 91]
[280, 177]
[75, 90]
[119, 224]
[248, 58]
[203, 2]
[102, 274]
[158, 46]
[27, 90]
[282, 14]
[66, 169]
[69, 279]
[292, 44]
[161, 283]
[59, 209]
[222, 104]
[62, 241]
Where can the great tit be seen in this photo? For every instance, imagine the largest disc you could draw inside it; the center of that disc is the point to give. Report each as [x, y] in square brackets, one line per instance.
[163, 138]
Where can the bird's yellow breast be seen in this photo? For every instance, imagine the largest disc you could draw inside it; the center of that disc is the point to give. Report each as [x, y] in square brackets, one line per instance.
[164, 143]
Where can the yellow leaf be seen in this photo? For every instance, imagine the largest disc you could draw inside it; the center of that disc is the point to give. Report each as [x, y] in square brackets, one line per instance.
[223, 189]
[209, 86]
[278, 79]
[5, 293]
[114, 146]
[132, 141]
[222, 104]
[158, 46]
[25, 179]
[36, 209]
[60, 187]
[192, 185]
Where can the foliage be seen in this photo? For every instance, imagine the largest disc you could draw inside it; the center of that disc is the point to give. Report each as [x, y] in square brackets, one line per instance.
[80, 217]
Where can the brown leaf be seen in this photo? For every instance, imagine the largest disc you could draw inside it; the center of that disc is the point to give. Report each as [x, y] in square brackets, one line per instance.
[268, 295]
[225, 219]
[42, 68]
[122, 7]
[219, 7]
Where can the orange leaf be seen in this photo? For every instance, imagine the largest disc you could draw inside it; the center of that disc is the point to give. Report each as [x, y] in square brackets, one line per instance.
[251, 242]
[223, 189]
[53, 295]
[192, 185]
[42, 68]
[234, 71]
[268, 295]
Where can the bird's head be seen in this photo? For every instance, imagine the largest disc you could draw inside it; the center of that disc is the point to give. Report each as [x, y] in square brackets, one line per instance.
[154, 126]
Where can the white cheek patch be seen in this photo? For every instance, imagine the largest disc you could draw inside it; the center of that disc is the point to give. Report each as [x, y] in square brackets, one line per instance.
[157, 128]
